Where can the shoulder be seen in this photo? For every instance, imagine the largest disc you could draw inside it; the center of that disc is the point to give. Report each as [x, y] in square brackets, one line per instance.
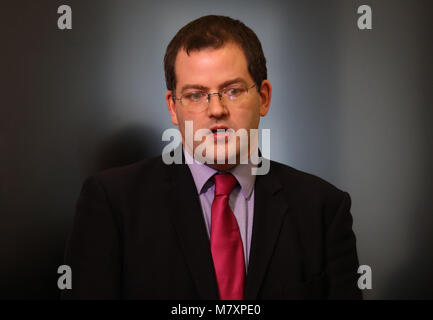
[312, 199]
[146, 166]
[302, 180]
[130, 177]
[306, 187]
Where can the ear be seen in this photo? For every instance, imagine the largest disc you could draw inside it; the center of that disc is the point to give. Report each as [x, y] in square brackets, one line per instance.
[171, 107]
[265, 97]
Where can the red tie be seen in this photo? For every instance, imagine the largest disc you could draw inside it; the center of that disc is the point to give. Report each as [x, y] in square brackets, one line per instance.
[226, 242]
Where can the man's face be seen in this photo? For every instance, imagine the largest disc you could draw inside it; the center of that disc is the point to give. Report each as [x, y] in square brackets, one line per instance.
[209, 70]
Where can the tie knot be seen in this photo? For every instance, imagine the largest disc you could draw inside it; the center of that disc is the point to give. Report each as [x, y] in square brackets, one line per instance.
[224, 183]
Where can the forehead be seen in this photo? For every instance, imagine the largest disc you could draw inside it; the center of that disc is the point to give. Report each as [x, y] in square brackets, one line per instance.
[210, 67]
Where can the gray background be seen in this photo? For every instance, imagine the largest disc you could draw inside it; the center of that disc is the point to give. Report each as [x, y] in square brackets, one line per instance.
[354, 107]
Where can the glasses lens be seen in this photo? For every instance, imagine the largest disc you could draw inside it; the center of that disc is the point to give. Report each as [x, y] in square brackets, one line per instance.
[195, 101]
[233, 95]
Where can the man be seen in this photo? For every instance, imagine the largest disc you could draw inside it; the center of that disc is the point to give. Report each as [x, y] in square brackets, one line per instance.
[210, 230]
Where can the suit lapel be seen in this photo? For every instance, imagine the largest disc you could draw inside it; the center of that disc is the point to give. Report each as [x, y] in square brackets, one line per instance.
[270, 208]
[186, 215]
[187, 218]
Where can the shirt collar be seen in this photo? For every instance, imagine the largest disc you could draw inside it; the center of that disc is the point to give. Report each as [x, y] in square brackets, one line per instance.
[201, 174]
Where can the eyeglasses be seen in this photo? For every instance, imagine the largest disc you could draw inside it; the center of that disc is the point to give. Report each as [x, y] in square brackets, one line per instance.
[230, 96]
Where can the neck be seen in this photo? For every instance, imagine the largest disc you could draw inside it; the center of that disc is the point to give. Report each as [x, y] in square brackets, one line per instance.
[221, 167]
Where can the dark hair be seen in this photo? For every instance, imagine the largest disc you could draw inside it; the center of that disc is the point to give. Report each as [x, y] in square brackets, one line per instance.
[215, 31]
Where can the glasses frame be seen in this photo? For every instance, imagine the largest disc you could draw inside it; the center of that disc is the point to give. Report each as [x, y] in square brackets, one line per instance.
[209, 94]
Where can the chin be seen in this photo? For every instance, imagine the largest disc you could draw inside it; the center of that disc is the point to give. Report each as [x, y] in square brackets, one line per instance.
[225, 153]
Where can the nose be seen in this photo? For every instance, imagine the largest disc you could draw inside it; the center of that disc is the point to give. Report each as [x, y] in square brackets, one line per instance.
[216, 107]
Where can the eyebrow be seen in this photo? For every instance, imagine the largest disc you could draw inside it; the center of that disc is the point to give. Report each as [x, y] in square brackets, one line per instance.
[221, 86]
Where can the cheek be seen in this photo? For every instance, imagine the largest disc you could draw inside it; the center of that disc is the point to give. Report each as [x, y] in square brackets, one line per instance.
[195, 118]
[248, 117]
[183, 116]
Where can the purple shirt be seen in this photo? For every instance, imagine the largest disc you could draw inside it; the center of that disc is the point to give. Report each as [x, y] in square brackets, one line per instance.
[241, 199]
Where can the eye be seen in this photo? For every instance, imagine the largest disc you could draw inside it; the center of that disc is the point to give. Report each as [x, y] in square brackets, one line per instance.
[194, 96]
[234, 91]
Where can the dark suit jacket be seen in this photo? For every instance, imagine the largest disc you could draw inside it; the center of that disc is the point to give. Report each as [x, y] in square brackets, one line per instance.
[139, 233]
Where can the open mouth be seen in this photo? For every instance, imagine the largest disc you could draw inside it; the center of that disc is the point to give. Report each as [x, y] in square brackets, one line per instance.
[221, 133]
